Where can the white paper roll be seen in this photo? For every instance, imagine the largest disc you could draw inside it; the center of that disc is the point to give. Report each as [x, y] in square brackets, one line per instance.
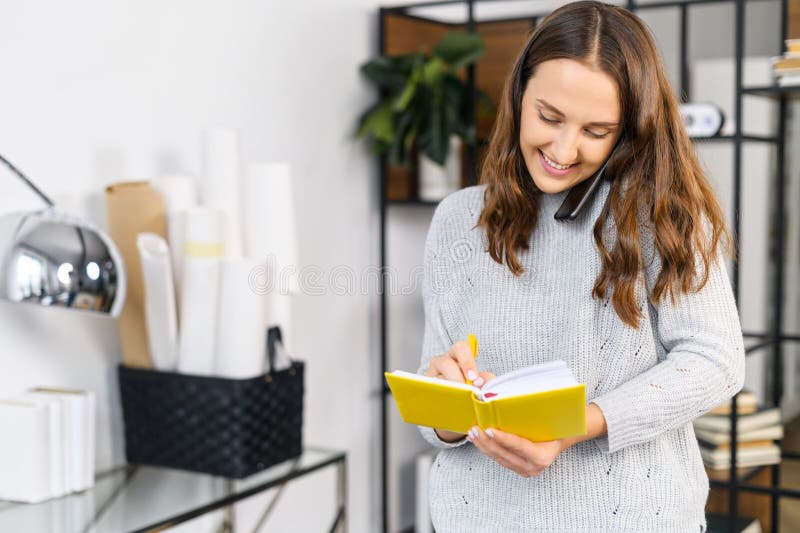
[241, 323]
[200, 292]
[223, 185]
[180, 194]
[270, 228]
[159, 300]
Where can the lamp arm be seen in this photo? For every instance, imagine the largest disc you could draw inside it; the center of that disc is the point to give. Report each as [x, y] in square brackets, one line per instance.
[28, 182]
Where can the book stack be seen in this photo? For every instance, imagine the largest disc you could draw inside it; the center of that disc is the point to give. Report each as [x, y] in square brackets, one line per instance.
[48, 444]
[757, 430]
[786, 68]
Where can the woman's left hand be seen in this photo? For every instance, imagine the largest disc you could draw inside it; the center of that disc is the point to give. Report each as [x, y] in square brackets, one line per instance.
[524, 457]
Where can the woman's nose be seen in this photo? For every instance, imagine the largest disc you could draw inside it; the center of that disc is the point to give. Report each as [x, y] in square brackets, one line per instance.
[565, 147]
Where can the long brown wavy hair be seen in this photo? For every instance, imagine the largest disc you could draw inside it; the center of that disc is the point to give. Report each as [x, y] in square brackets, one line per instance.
[654, 170]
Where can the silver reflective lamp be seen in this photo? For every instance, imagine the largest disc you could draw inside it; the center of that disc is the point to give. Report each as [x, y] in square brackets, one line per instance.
[58, 260]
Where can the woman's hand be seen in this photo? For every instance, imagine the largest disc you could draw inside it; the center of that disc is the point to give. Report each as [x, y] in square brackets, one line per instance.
[524, 457]
[458, 365]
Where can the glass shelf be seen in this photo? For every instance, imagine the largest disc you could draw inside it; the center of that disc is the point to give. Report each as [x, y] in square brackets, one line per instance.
[140, 498]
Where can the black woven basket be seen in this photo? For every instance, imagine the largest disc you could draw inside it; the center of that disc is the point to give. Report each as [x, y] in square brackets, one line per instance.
[220, 426]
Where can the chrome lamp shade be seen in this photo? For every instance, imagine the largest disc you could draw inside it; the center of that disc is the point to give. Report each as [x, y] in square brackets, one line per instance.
[53, 259]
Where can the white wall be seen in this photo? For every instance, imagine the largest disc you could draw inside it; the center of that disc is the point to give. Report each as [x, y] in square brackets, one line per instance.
[94, 92]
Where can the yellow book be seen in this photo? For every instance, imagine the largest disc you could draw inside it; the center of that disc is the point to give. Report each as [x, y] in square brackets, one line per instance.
[540, 403]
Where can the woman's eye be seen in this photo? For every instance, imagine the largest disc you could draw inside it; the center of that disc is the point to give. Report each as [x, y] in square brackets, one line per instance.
[595, 135]
[548, 120]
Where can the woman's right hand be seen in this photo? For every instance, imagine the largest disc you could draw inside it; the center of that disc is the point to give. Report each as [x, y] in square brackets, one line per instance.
[458, 365]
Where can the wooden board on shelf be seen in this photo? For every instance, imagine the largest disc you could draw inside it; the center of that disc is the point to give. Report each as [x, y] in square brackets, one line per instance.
[405, 35]
[750, 504]
[400, 184]
[504, 41]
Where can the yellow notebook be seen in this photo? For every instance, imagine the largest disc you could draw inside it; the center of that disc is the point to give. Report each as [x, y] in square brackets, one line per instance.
[541, 402]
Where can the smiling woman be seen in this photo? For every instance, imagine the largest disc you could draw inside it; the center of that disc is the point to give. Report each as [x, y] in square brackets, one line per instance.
[587, 111]
[569, 123]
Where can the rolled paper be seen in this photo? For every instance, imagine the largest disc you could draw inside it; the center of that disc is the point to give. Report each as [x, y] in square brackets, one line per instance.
[270, 228]
[271, 236]
[159, 299]
[198, 309]
[242, 321]
[222, 185]
[134, 208]
[180, 194]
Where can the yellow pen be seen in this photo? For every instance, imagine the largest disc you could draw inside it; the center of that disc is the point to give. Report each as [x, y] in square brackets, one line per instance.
[472, 340]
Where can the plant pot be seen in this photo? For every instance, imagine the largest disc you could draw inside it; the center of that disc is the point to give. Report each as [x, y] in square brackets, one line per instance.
[435, 181]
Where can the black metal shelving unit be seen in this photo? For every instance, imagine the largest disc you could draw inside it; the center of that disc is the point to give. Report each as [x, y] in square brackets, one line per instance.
[773, 338]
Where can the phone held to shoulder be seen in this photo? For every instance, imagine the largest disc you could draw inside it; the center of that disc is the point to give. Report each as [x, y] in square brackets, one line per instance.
[579, 195]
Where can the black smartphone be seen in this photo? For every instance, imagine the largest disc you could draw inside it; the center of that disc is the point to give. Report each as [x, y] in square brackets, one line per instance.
[579, 195]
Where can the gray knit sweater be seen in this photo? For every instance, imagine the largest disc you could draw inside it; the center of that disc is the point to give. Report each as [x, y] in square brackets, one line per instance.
[685, 359]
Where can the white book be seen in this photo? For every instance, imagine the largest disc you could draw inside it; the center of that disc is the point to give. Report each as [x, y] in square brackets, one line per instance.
[724, 437]
[59, 458]
[762, 418]
[80, 420]
[24, 451]
[789, 80]
[761, 455]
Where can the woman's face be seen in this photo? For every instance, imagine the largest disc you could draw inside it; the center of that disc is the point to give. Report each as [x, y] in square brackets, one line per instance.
[569, 123]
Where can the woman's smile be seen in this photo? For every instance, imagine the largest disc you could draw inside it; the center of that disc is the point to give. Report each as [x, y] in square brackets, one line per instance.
[553, 168]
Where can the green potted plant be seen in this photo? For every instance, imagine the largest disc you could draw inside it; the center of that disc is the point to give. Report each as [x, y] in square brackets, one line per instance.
[424, 105]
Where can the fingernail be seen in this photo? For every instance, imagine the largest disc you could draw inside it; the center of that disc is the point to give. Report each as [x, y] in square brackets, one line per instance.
[471, 375]
[469, 437]
[474, 432]
[490, 433]
[478, 382]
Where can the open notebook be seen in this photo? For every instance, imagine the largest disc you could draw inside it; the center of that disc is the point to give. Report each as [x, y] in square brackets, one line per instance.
[540, 402]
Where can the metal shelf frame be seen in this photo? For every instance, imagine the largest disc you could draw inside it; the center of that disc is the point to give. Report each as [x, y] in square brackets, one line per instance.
[772, 339]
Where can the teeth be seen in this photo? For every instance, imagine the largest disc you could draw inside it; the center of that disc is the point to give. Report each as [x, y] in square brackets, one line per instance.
[554, 164]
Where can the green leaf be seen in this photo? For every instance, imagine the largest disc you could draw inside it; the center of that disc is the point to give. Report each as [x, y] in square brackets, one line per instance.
[459, 49]
[391, 72]
[377, 122]
[433, 71]
[437, 140]
[404, 127]
[409, 91]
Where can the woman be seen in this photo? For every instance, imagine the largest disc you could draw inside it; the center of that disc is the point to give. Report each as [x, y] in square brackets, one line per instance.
[632, 293]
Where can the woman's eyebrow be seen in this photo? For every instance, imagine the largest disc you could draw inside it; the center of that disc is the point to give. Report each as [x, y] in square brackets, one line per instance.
[558, 112]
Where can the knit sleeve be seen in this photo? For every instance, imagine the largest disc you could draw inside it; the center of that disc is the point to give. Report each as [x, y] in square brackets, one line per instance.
[704, 365]
[437, 277]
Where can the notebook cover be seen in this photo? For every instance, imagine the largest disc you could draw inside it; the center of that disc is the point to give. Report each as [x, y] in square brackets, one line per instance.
[539, 416]
[432, 405]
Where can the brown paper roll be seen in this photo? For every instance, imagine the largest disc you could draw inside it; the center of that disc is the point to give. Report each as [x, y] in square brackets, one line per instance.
[133, 208]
